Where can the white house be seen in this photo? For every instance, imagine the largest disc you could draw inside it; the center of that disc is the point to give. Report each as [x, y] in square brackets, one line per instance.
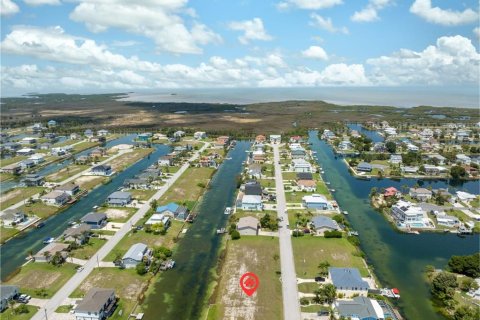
[55, 198]
[463, 159]
[159, 218]
[448, 221]
[252, 203]
[315, 201]
[413, 148]
[409, 214]
[301, 165]
[395, 159]
[37, 158]
[275, 138]
[199, 135]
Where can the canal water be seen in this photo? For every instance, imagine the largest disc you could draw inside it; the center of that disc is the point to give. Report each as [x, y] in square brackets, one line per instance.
[397, 259]
[14, 251]
[181, 292]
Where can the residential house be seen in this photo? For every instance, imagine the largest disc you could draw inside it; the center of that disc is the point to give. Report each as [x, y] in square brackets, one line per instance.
[178, 134]
[37, 127]
[28, 140]
[298, 153]
[102, 132]
[360, 308]
[348, 281]
[98, 304]
[446, 220]
[421, 194]
[95, 220]
[307, 185]
[296, 139]
[88, 133]
[379, 147]
[255, 171]
[145, 137]
[355, 134]
[165, 161]
[409, 214]
[27, 164]
[222, 141]
[207, 162]
[345, 145]
[199, 135]
[437, 159]
[260, 139]
[174, 210]
[52, 123]
[135, 255]
[78, 234]
[119, 199]
[159, 218]
[98, 153]
[7, 293]
[301, 165]
[252, 203]
[327, 134]
[391, 192]
[58, 151]
[433, 170]
[315, 201]
[25, 152]
[465, 196]
[364, 167]
[253, 188]
[395, 159]
[12, 146]
[137, 183]
[13, 168]
[412, 148]
[45, 146]
[258, 156]
[463, 159]
[462, 135]
[74, 136]
[82, 160]
[275, 138]
[37, 158]
[248, 226]
[390, 131]
[55, 198]
[322, 224]
[12, 217]
[47, 252]
[101, 170]
[69, 188]
[409, 169]
[33, 180]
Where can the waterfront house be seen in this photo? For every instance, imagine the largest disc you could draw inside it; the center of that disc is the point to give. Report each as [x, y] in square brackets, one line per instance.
[446, 220]
[178, 134]
[28, 140]
[463, 159]
[421, 194]
[52, 123]
[395, 159]
[248, 226]
[301, 165]
[119, 199]
[315, 201]
[465, 196]
[69, 188]
[98, 304]
[25, 152]
[137, 183]
[37, 127]
[165, 161]
[391, 192]
[307, 185]
[327, 134]
[275, 138]
[412, 148]
[88, 133]
[255, 171]
[345, 145]
[207, 162]
[222, 141]
[12, 217]
[390, 131]
[58, 151]
[322, 224]
[360, 308]
[348, 281]
[101, 170]
[199, 135]
[258, 156]
[13, 168]
[409, 214]
[45, 146]
[95, 220]
[27, 164]
[47, 252]
[74, 136]
[82, 160]
[296, 139]
[102, 132]
[252, 203]
[364, 167]
[298, 153]
[55, 198]
[7, 293]
[159, 218]
[37, 158]
[12, 146]
[409, 169]
[135, 255]
[78, 234]
[33, 180]
[253, 188]
[98, 153]
[433, 170]
[260, 139]
[379, 147]
[174, 210]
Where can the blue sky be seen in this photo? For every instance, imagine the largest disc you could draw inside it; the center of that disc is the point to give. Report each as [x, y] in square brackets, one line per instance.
[112, 45]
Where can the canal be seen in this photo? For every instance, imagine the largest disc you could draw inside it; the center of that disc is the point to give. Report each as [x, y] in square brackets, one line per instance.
[181, 292]
[14, 251]
[397, 259]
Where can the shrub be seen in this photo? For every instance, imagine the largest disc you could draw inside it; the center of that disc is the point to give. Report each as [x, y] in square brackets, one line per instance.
[304, 302]
[235, 235]
[332, 234]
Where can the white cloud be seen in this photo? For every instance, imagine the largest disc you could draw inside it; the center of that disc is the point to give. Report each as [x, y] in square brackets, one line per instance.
[370, 12]
[424, 9]
[161, 21]
[127, 43]
[315, 52]
[8, 7]
[42, 2]
[453, 60]
[476, 31]
[308, 4]
[325, 24]
[252, 30]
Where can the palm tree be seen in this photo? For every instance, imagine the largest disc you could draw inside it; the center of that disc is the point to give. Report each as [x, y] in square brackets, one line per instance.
[47, 255]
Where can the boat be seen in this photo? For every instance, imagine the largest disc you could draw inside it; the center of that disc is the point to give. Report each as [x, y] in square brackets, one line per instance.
[229, 158]
[71, 223]
[327, 182]
[221, 231]
[39, 225]
[345, 212]
[413, 232]
[228, 210]
[48, 240]
[354, 233]
[332, 190]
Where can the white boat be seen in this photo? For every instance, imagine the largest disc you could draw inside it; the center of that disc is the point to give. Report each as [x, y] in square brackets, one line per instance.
[228, 158]
[221, 231]
[228, 210]
[345, 212]
[48, 240]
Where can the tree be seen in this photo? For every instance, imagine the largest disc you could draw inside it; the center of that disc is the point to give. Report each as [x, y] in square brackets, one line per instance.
[153, 204]
[157, 227]
[468, 284]
[467, 265]
[466, 313]
[141, 268]
[323, 268]
[235, 235]
[391, 146]
[458, 172]
[57, 259]
[443, 286]
[325, 294]
[20, 309]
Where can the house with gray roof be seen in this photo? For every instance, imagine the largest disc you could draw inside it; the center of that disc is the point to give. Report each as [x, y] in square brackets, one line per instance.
[7, 293]
[55, 198]
[95, 220]
[69, 188]
[421, 194]
[33, 180]
[98, 304]
[119, 199]
[322, 224]
[135, 255]
[248, 226]
[364, 167]
[348, 281]
[361, 308]
[78, 234]
[12, 217]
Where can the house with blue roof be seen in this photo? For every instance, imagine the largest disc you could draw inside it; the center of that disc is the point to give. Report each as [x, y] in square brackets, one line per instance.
[348, 281]
[360, 308]
[135, 255]
[322, 224]
[174, 210]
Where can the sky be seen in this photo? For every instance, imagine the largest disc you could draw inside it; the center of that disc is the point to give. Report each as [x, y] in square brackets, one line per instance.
[89, 46]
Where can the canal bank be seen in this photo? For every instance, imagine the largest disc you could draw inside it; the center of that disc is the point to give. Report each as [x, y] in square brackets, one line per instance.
[14, 252]
[181, 293]
[398, 260]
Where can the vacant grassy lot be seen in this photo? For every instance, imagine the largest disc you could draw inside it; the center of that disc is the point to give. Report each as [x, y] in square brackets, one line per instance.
[309, 251]
[18, 194]
[6, 176]
[7, 314]
[66, 172]
[40, 209]
[267, 183]
[308, 287]
[83, 146]
[119, 214]
[7, 161]
[7, 233]
[186, 189]
[35, 276]
[258, 255]
[89, 182]
[89, 249]
[126, 160]
[149, 239]
[289, 175]
[142, 195]
[126, 283]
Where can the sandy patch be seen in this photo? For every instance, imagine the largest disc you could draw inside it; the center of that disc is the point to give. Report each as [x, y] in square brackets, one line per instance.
[116, 213]
[101, 279]
[120, 147]
[341, 257]
[9, 195]
[36, 279]
[84, 181]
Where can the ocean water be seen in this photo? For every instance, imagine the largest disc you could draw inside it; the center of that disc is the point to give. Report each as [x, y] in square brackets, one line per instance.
[405, 97]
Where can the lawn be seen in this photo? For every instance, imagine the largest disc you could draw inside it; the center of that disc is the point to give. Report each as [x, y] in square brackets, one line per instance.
[64, 309]
[186, 189]
[258, 214]
[127, 159]
[89, 182]
[7, 161]
[126, 283]
[89, 249]
[309, 251]
[39, 209]
[308, 287]
[118, 214]
[5, 176]
[289, 175]
[83, 146]
[7, 314]
[66, 172]
[149, 239]
[142, 195]
[36, 276]
[267, 183]
[296, 196]
[170, 169]
[7, 233]
[312, 309]
[18, 194]
[260, 256]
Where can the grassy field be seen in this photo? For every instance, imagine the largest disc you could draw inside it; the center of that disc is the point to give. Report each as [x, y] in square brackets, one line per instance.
[126, 160]
[7, 233]
[142, 195]
[308, 287]
[149, 239]
[66, 172]
[8, 315]
[83, 146]
[7, 161]
[289, 175]
[309, 251]
[88, 250]
[258, 255]
[186, 190]
[267, 183]
[126, 283]
[5, 176]
[63, 309]
[89, 182]
[35, 276]
[18, 194]
[40, 209]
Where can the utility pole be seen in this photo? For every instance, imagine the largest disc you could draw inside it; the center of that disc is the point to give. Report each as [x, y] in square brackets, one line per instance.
[98, 263]
[46, 316]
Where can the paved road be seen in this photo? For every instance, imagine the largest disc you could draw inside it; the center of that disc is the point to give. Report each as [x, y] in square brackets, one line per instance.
[79, 277]
[291, 305]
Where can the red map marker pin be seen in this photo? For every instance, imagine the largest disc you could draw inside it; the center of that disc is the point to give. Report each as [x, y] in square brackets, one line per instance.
[249, 283]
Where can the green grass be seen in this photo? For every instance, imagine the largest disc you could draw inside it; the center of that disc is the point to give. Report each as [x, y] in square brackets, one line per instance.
[89, 249]
[7, 161]
[18, 194]
[83, 146]
[475, 203]
[289, 175]
[267, 183]
[64, 309]
[127, 159]
[66, 172]
[142, 195]
[128, 213]
[8, 314]
[170, 169]
[40, 209]
[308, 287]
[6, 176]
[309, 251]
[35, 276]
[7, 233]
[213, 312]
[149, 239]
[312, 309]
[89, 185]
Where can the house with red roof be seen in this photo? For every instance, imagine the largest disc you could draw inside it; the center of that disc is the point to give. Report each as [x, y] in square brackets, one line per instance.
[391, 192]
